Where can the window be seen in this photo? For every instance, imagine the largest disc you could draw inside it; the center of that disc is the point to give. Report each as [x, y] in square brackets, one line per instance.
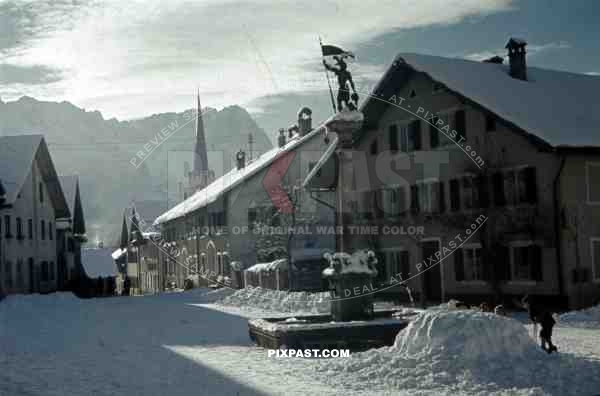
[467, 264]
[19, 228]
[460, 125]
[470, 193]
[393, 137]
[414, 199]
[399, 265]
[51, 270]
[44, 271]
[490, 123]
[514, 187]
[394, 201]
[429, 195]
[412, 93]
[373, 149]
[526, 262]
[404, 139]
[252, 215]
[595, 247]
[50, 231]
[414, 136]
[8, 273]
[7, 230]
[592, 173]
[41, 192]
[434, 134]
[43, 229]
[454, 195]
[20, 280]
[30, 228]
[377, 203]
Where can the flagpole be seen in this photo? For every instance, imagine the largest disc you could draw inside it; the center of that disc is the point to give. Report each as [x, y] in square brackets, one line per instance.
[327, 76]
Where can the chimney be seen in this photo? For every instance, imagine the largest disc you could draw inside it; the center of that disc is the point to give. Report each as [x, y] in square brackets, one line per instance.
[281, 138]
[292, 130]
[304, 120]
[516, 56]
[240, 159]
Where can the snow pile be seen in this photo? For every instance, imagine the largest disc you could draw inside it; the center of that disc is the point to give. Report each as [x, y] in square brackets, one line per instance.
[585, 318]
[468, 353]
[466, 335]
[359, 262]
[279, 300]
[280, 264]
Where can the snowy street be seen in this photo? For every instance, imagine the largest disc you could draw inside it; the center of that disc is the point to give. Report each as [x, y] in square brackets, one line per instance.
[174, 344]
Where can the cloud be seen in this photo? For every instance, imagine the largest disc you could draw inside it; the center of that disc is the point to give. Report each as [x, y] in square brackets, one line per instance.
[532, 50]
[592, 73]
[28, 75]
[233, 51]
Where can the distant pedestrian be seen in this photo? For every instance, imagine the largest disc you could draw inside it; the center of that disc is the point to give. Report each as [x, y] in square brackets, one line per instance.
[540, 314]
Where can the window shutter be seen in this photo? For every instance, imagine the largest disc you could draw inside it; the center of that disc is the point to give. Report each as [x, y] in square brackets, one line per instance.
[441, 197]
[459, 266]
[414, 198]
[502, 262]
[401, 195]
[483, 193]
[460, 123]
[404, 139]
[531, 184]
[404, 264]
[536, 263]
[434, 137]
[454, 195]
[498, 183]
[416, 134]
[393, 137]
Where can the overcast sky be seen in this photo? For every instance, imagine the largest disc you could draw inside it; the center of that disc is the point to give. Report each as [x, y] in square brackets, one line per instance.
[130, 59]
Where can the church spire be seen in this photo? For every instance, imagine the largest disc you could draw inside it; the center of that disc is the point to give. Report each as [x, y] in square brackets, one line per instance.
[200, 157]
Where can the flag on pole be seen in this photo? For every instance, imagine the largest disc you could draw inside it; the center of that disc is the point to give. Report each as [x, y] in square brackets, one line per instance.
[332, 50]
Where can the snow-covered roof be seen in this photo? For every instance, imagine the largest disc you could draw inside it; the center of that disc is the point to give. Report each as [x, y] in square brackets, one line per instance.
[17, 154]
[231, 179]
[16, 157]
[98, 262]
[556, 106]
[280, 264]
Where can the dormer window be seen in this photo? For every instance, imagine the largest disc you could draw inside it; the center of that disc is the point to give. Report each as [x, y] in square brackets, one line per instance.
[437, 87]
[412, 93]
[490, 123]
[41, 192]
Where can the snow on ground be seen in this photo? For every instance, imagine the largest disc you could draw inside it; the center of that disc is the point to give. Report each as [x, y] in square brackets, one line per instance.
[585, 318]
[173, 344]
[466, 353]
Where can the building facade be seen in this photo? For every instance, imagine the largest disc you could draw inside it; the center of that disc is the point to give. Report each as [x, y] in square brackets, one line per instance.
[33, 204]
[505, 208]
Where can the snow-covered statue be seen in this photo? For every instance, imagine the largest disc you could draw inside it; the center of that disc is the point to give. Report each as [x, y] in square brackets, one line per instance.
[345, 101]
[350, 283]
[359, 262]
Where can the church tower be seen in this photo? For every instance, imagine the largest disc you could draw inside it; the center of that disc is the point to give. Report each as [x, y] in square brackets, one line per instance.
[200, 176]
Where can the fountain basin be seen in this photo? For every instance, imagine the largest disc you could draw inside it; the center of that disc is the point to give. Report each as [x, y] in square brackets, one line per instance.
[322, 332]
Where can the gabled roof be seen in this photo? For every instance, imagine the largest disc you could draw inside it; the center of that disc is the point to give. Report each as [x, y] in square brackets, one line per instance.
[69, 185]
[231, 179]
[17, 154]
[561, 108]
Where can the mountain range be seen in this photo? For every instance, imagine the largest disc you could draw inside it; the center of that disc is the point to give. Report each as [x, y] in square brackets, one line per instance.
[106, 154]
